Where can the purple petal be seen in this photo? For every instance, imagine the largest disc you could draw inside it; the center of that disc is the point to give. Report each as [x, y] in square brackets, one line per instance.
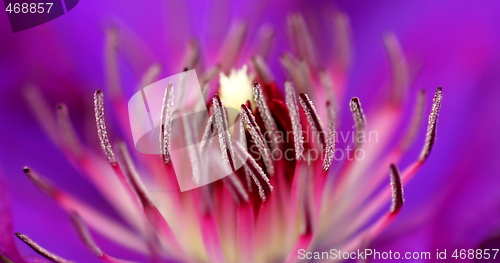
[8, 248]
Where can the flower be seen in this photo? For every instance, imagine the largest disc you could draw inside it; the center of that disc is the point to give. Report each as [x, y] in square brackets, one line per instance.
[336, 79]
[296, 200]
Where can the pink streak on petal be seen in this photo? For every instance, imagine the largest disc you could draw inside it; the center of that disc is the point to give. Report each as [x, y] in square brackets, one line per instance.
[151, 212]
[94, 168]
[225, 213]
[303, 243]
[211, 239]
[246, 235]
[375, 204]
[107, 227]
[86, 238]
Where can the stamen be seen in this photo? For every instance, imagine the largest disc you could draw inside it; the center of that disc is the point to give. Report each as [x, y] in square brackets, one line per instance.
[291, 65]
[241, 131]
[265, 113]
[221, 124]
[262, 193]
[263, 69]
[149, 76]
[416, 119]
[397, 190]
[359, 120]
[248, 175]
[330, 141]
[207, 133]
[40, 250]
[255, 170]
[194, 154]
[327, 83]
[112, 69]
[299, 72]
[343, 33]
[291, 102]
[265, 36]
[84, 235]
[132, 175]
[101, 127]
[209, 74]
[305, 75]
[302, 39]
[67, 131]
[248, 172]
[192, 54]
[312, 116]
[232, 44]
[432, 125]
[257, 136]
[42, 111]
[41, 183]
[204, 90]
[399, 67]
[222, 127]
[167, 110]
[88, 241]
[182, 88]
[236, 188]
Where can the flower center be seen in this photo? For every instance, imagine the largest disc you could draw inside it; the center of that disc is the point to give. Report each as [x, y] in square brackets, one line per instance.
[235, 89]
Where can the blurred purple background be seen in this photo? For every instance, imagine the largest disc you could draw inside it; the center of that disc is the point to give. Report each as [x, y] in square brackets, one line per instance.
[453, 202]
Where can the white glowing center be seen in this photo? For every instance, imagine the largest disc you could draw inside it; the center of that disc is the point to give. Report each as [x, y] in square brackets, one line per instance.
[236, 88]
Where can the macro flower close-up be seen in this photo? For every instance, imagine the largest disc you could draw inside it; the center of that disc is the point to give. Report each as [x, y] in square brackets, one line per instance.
[250, 131]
